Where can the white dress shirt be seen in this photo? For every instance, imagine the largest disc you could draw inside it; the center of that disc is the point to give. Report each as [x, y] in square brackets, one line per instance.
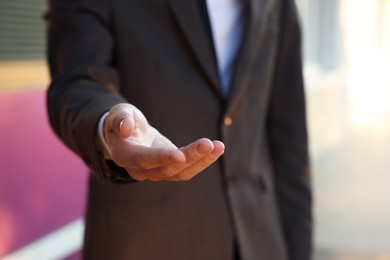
[227, 24]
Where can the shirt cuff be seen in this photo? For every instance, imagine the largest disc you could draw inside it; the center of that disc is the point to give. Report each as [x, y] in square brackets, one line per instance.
[102, 141]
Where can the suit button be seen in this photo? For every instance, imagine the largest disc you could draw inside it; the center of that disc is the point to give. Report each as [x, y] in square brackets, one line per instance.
[228, 121]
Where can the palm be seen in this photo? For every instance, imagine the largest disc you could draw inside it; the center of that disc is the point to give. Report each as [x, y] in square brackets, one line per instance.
[147, 154]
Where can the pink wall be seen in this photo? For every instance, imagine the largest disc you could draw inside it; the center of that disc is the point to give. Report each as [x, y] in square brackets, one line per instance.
[42, 183]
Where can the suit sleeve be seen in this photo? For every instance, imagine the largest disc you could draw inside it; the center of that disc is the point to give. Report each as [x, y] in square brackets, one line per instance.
[84, 82]
[288, 139]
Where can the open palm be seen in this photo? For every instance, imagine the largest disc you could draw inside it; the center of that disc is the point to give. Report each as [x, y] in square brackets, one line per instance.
[147, 154]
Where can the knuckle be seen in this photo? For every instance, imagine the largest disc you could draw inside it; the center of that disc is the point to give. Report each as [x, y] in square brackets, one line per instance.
[118, 159]
[186, 176]
[135, 175]
[190, 159]
[207, 160]
[137, 161]
[141, 163]
[168, 171]
[154, 179]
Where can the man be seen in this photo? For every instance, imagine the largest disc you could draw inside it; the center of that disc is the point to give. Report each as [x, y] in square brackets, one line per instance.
[134, 79]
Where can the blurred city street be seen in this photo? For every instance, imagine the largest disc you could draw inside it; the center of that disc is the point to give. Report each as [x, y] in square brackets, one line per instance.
[351, 163]
[347, 59]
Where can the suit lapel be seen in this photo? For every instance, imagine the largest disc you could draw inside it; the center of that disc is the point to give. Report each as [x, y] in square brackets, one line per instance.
[192, 26]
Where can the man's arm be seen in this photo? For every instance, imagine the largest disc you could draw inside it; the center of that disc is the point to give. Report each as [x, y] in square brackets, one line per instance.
[288, 139]
[85, 85]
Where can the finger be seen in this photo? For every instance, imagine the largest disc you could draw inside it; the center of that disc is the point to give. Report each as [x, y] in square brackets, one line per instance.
[193, 153]
[197, 167]
[175, 172]
[123, 123]
[160, 164]
[142, 157]
[197, 150]
[157, 174]
[219, 146]
[192, 167]
[126, 127]
[120, 120]
[136, 175]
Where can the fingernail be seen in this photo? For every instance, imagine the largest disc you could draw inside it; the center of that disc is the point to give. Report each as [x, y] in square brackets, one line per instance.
[177, 158]
[120, 125]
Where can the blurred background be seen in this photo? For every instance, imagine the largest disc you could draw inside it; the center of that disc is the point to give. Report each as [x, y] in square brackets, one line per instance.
[347, 62]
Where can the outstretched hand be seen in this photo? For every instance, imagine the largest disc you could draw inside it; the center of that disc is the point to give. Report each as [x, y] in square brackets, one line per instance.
[148, 155]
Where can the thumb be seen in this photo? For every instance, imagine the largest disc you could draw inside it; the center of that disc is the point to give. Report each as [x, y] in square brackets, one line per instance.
[121, 120]
[125, 127]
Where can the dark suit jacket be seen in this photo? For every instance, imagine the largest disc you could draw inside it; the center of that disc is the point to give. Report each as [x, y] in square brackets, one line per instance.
[157, 55]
